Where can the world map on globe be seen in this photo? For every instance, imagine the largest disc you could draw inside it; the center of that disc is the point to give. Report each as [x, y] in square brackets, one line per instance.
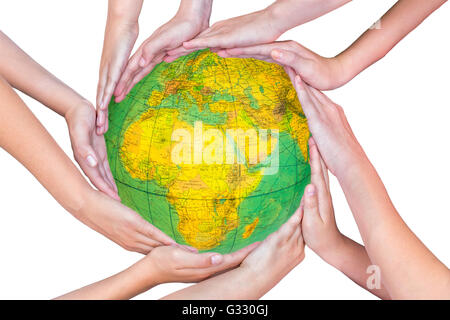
[212, 151]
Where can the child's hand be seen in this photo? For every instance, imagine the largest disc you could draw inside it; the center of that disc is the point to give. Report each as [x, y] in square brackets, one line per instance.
[278, 254]
[120, 224]
[250, 29]
[190, 20]
[120, 37]
[318, 224]
[89, 149]
[328, 125]
[176, 264]
[317, 71]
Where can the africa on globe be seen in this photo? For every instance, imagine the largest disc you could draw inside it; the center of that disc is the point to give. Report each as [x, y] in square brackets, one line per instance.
[212, 151]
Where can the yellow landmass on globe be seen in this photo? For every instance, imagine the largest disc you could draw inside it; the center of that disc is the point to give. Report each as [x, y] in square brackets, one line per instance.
[194, 190]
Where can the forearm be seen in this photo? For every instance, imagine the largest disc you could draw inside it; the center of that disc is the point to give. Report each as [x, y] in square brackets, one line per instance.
[288, 14]
[390, 244]
[239, 284]
[377, 41]
[26, 75]
[122, 286]
[124, 11]
[351, 258]
[23, 136]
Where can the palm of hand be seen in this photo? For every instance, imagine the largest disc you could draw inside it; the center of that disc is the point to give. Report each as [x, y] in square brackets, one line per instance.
[89, 148]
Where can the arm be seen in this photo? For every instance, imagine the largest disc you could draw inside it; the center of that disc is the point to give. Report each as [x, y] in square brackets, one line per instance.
[161, 265]
[26, 75]
[377, 41]
[270, 262]
[258, 27]
[405, 259]
[402, 258]
[191, 18]
[23, 136]
[121, 32]
[330, 73]
[322, 234]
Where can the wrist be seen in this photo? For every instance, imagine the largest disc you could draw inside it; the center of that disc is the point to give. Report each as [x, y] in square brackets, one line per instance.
[71, 109]
[277, 18]
[346, 68]
[197, 12]
[332, 253]
[354, 170]
[87, 197]
[145, 274]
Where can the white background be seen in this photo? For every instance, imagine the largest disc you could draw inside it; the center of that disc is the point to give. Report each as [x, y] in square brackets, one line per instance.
[399, 109]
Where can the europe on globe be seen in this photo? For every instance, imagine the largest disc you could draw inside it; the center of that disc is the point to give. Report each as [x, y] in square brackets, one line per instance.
[212, 151]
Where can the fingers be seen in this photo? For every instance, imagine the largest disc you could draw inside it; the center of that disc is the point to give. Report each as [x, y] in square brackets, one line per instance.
[288, 228]
[98, 179]
[319, 178]
[152, 233]
[306, 99]
[109, 175]
[150, 49]
[101, 85]
[257, 52]
[174, 54]
[311, 205]
[191, 260]
[325, 173]
[234, 259]
[201, 42]
[129, 72]
[89, 162]
[212, 263]
[287, 58]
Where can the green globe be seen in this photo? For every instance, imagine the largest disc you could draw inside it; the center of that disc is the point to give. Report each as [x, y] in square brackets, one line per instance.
[212, 151]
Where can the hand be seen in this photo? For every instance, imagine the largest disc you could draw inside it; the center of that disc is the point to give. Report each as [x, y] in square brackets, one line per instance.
[120, 224]
[120, 37]
[338, 145]
[278, 254]
[250, 29]
[319, 227]
[191, 18]
[317, 71]
[89, 149]
[176, 264]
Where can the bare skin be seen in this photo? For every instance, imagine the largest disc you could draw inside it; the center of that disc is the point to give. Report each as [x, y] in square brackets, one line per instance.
[263, 266]
[118, 71]
[330, 73]
[259, 27]
[389, 243]
[321, 233]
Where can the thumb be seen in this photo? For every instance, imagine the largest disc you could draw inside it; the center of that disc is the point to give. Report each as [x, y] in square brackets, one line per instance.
[199, 260]
[311, 204]
[150, 50]
[84, 149]
[287, 58]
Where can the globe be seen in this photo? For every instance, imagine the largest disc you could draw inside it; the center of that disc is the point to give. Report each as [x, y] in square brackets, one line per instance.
[212, 151]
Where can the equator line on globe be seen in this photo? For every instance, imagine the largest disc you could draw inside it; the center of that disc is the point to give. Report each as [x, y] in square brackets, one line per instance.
[212, 151]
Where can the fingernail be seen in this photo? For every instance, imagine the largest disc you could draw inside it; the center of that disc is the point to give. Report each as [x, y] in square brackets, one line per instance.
[91, 160]
[310, 190]
[216, 259]
[142, 62]
[277, 54]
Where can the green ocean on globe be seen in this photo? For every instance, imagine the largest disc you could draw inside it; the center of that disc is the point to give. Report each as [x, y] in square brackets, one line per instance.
[212, 151]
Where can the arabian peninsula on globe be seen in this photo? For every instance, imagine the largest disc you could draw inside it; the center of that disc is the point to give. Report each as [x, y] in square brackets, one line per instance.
[212, 151]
